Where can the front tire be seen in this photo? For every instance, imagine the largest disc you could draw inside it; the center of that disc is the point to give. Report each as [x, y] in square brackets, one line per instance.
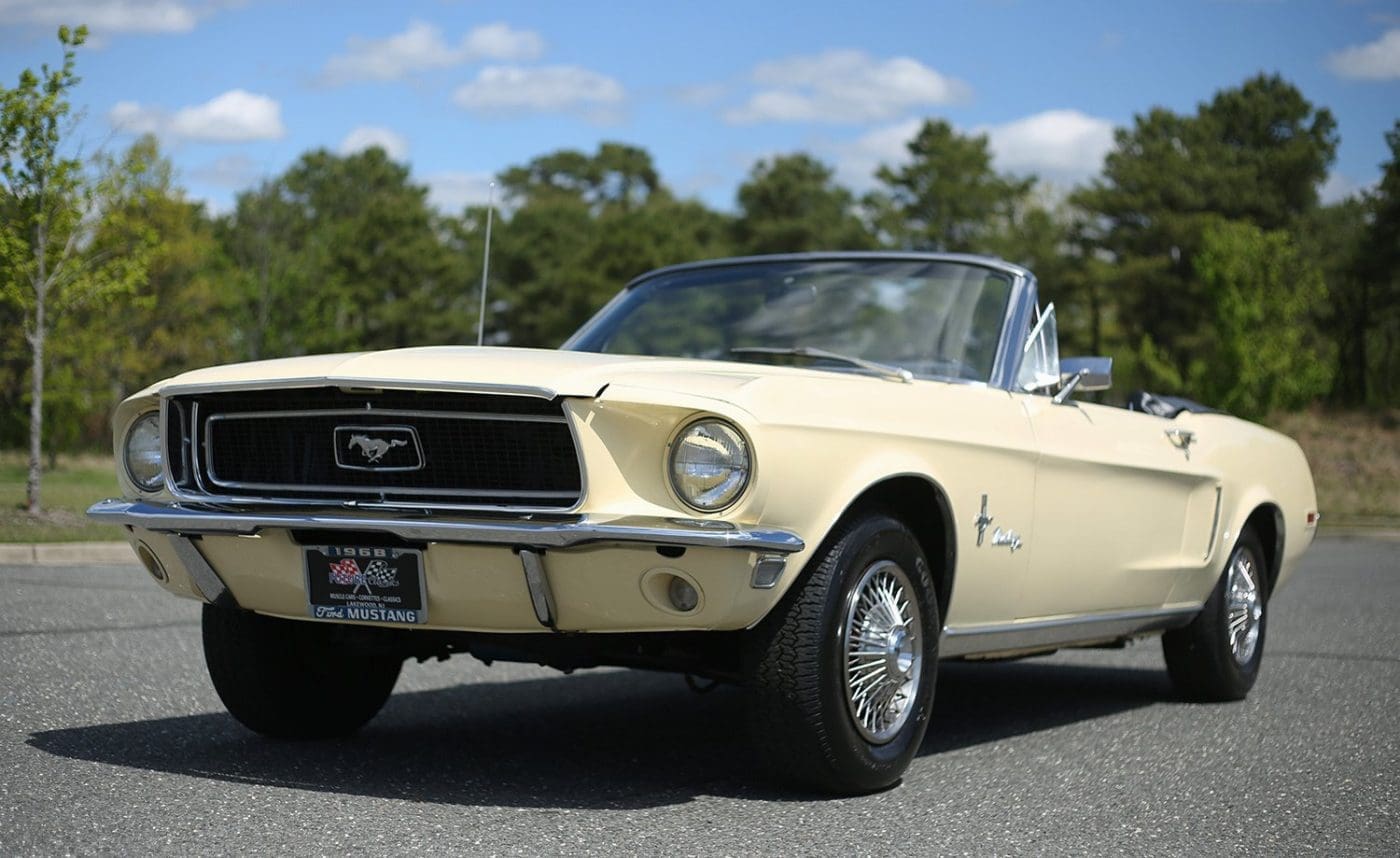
[294, 680]
[841, 674]
[1217, 656]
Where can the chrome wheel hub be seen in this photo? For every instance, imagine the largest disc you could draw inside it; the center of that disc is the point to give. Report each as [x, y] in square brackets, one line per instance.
[1244, 607]
[883, 655]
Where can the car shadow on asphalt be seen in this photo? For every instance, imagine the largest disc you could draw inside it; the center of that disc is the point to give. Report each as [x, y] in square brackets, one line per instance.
[595, 740]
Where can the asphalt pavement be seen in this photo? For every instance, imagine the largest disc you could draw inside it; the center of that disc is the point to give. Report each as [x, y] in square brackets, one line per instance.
[112, 741]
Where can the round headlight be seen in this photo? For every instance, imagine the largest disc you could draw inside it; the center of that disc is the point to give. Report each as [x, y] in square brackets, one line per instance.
[709, 465]
[145, 463]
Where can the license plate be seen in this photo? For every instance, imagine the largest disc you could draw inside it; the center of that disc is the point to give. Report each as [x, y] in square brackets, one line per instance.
[384, 585]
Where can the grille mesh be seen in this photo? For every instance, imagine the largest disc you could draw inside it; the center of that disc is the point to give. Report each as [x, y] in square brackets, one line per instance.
[281, 444]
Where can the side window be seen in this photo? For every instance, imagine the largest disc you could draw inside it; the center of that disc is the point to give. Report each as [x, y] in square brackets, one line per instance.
[1040, 356]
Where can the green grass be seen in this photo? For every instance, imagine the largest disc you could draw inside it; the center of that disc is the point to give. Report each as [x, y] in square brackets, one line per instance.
[67, 491]
[1355, 458]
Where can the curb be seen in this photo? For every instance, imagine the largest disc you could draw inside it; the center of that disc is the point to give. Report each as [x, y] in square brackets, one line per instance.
[67, 554]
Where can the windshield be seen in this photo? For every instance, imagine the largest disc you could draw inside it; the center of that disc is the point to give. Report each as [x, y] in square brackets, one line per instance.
[934, 318]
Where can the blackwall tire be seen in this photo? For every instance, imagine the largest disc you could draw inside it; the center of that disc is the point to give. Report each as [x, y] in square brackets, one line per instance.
[1217, 657]
[841, 674]
[293, 680]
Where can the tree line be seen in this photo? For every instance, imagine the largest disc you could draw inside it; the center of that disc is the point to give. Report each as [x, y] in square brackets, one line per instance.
[1200, 257]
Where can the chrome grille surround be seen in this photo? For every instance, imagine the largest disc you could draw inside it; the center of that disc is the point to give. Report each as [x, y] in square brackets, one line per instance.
[482, 451]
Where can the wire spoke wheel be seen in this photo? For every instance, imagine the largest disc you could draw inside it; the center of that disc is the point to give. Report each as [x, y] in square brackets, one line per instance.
[882, 650]
[1244, 607]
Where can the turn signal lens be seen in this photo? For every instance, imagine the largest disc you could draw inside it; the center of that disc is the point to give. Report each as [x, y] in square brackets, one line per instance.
[683, 596]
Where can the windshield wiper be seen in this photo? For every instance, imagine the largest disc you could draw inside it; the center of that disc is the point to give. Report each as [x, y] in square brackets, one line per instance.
[893, 373]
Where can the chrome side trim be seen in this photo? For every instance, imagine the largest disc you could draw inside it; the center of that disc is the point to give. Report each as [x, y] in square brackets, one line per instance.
[541, 596]
[205, 578]
[1214, 526]
[1060, 631]
[532, 531]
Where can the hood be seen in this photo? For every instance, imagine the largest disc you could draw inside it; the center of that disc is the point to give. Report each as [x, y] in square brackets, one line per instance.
[525, 372]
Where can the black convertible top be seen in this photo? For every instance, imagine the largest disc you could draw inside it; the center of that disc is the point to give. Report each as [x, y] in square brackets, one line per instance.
[1166, 406]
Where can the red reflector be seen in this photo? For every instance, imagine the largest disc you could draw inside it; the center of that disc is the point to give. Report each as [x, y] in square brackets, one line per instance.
[1312, 518]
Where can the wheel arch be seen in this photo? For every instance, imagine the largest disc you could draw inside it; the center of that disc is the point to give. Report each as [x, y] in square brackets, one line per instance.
[1266, 520]
[923, 506]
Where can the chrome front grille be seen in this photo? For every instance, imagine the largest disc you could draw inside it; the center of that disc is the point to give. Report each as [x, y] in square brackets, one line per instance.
[389, 446]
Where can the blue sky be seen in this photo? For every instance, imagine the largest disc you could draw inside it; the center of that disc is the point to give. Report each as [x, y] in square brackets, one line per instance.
[237, 89]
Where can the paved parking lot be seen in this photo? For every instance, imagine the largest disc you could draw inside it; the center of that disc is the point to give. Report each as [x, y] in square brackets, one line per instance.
[112, 741]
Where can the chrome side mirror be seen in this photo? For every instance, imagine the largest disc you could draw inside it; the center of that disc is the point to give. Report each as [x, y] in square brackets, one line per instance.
[1084, 373]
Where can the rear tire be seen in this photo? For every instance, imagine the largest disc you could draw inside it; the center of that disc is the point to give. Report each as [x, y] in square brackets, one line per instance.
[294, 680]
[1217, 656]
[841, 674]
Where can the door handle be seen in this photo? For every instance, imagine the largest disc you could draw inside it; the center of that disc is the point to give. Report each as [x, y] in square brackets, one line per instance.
[1182, 439]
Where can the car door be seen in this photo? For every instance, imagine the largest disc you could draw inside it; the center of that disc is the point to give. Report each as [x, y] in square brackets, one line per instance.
[1122, 509]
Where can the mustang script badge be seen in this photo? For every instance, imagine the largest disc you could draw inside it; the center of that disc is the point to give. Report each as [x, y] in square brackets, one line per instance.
[378, 448]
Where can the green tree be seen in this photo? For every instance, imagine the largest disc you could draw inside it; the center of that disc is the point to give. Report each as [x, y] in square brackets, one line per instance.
[1256, 154]
[618, 175]
[342, 253]
[1376, 322]
[47, 260]
[580, 226]
[265, 239]
[1335, 238]
[173, 319]
[1263, 295]
[948, 197]
[792, 203]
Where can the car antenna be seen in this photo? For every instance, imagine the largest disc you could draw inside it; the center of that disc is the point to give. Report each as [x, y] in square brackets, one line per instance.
[485, 265]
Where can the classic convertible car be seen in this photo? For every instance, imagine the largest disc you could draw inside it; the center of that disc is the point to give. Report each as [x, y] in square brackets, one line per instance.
[814, 475]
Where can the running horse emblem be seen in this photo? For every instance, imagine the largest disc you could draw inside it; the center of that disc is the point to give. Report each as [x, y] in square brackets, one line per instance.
[374, 448]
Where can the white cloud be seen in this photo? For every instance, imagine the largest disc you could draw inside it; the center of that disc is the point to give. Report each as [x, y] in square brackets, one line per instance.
[451, 192]
[843, 87]
[1057, 144]
[104, 16]
[236, 116]
[505, 89]
[130, 117]
[1378, 60]
[500, 41]
[422, 47]
[1062, 145]
[857, 161]
[365, 136]
[1338, 187]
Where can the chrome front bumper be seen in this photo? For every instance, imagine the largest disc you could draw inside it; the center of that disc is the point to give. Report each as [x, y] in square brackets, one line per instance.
[527, 537]
[527, 531]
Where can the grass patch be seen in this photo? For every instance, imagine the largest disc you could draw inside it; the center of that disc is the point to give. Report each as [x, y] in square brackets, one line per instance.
[67, 491]
[1355, 459]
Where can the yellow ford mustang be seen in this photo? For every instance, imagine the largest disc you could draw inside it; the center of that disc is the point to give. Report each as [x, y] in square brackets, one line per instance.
[815, 475]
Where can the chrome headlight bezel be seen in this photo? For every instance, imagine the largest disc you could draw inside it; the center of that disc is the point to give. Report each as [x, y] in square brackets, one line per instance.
[743, 464]
[148, 425]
